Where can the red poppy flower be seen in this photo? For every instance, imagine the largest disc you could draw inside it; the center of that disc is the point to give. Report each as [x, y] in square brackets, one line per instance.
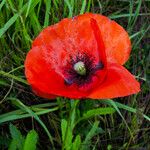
[81, 57]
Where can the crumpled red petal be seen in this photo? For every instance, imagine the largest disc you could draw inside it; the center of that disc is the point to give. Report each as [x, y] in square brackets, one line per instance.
[41, 75]
[119, 82]
[43, 94]
[116, 39]
[99, 40]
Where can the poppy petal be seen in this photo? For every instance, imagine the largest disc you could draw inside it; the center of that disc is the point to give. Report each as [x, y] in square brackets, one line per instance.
[116, 39]
[118, 83]
[99, 39]
[42, 94]
[42, 75]
[72, 35]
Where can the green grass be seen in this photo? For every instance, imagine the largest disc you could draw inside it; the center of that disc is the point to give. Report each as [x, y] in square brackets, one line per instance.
[123, 123]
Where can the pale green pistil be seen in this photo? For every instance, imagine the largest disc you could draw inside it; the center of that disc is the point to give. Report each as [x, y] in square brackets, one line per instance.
[79, 67]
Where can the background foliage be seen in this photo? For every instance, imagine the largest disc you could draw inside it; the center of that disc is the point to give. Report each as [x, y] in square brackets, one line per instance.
[28, 122]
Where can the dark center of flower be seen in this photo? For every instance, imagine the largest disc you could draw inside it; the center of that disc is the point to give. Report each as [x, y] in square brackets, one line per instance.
[80, 68]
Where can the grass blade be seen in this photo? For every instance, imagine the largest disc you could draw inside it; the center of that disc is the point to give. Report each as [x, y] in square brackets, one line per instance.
[8, 24]
[90, 135]
[48, 6]
[83, 7]
[70, 8]
[28, 8]
[112, 103]
[13, 77]
[35, 116]
[2, 4]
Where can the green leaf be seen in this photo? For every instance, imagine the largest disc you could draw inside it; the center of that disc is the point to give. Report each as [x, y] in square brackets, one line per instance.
[28, 110]
[74, 104]
[13, 145]
[63, 128]
[16, 136]
[68, 138]
[99, 111]
[109, 147]
[66, 134]
[77, 143]
[31, 140]
[95, 112]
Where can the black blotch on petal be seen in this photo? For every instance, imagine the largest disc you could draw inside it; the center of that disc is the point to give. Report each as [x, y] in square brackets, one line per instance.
[99, 66]
[68, 82]
[72, 77]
